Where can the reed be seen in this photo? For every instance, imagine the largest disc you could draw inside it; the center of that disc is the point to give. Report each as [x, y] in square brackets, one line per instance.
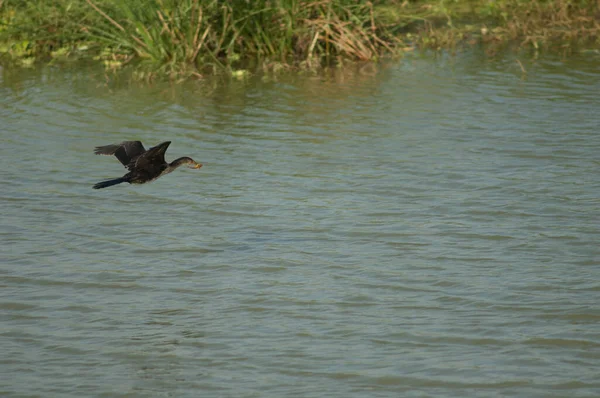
[540, 23]
[531, 24]
[182, 38]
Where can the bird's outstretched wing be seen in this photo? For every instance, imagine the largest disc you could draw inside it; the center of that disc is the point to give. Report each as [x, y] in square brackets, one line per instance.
[154, 156]
[126, 151]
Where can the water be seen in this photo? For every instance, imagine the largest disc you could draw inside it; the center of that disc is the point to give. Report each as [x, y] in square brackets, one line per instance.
[423, 229]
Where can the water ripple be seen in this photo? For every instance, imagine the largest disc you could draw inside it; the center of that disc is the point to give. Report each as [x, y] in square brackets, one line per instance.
[429, 229]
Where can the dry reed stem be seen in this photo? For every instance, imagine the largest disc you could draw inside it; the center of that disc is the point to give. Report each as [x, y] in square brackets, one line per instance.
[199, 46]
[115, 23]
[198, 24]
[165, 26]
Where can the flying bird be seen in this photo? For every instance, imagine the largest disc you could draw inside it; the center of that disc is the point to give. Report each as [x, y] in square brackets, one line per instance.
[143, 165]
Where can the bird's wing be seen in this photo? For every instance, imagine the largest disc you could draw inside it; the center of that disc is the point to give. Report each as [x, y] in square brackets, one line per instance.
[126, 151]
[152, 157]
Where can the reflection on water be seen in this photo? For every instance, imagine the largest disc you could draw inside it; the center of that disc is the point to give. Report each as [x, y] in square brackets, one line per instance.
[427, 228]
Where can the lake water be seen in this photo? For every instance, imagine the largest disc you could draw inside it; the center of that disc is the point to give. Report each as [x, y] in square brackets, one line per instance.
[427, 228]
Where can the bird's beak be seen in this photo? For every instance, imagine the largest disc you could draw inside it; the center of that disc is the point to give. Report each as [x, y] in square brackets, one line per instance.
[198, 165]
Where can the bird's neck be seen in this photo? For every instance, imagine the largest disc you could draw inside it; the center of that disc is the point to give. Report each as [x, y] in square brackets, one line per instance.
[177, 162]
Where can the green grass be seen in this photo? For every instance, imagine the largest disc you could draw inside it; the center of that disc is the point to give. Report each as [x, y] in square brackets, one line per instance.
[185, 38]
[532, 24]
[189, 37]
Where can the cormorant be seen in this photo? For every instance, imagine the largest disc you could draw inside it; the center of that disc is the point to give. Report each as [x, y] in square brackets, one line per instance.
[144, 165]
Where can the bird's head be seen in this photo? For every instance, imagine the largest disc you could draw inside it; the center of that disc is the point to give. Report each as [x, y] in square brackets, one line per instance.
[189, 162]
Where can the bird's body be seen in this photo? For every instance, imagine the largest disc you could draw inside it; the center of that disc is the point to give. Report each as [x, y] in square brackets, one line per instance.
[143, 165]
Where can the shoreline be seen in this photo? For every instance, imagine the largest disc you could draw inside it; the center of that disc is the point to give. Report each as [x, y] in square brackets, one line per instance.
[177, 40]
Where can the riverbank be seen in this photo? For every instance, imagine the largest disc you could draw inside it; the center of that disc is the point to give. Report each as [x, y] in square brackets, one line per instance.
[189, 38]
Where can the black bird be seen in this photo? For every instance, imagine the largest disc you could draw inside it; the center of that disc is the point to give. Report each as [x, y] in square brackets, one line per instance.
[144, 165]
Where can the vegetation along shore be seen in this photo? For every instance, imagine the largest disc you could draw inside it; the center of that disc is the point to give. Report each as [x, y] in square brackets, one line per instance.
[179, 39]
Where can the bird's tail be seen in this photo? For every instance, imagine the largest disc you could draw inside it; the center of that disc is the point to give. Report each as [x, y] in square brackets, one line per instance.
[109, 183]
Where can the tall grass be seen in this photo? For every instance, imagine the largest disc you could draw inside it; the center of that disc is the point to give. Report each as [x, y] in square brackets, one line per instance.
[39, 26]
[187, 37]
[180, 38]
[184, 36]
[537, 23]
[166, 34]
[533, 24]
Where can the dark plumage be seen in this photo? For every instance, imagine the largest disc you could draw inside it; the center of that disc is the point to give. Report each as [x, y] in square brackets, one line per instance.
[143, 165]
